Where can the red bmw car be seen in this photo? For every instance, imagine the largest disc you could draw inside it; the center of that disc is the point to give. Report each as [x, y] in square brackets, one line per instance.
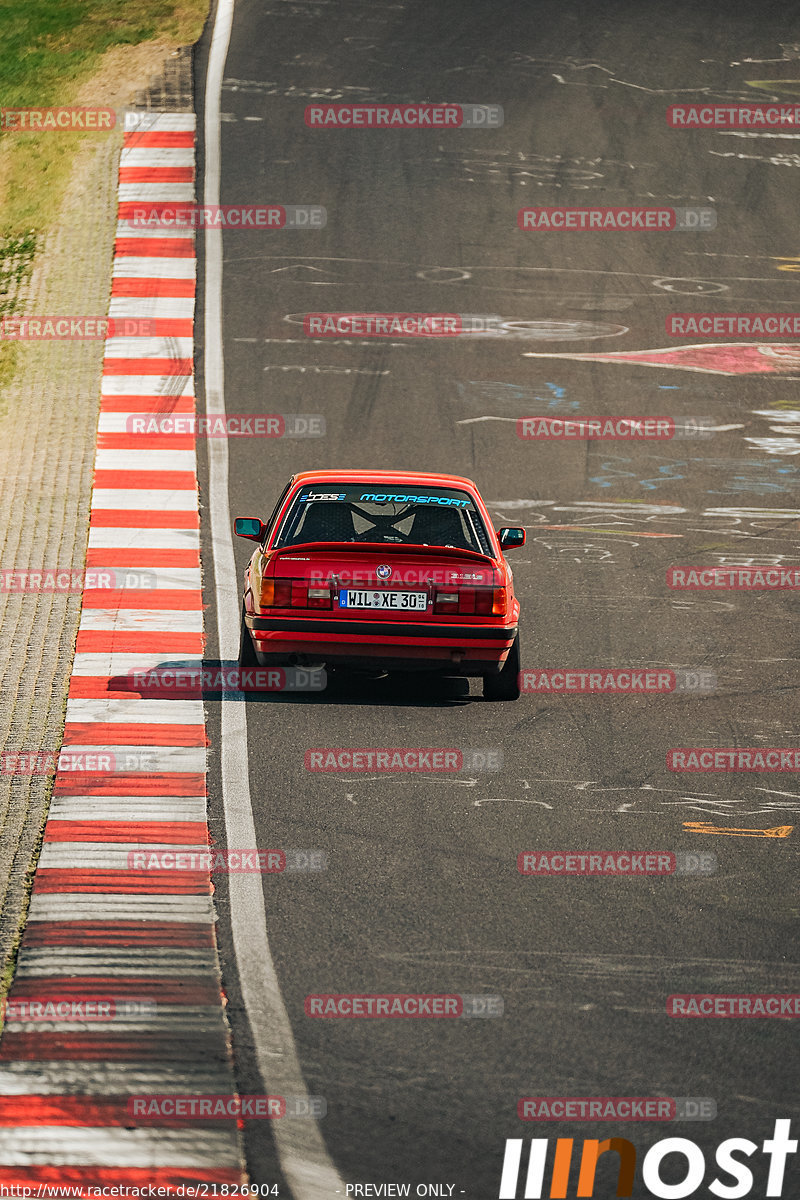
[383, 570]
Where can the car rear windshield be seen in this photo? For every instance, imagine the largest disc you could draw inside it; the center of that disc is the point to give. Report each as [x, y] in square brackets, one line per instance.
[332, 512]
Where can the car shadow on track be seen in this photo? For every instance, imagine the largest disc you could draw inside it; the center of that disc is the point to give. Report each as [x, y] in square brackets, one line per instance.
[217, 679]
[396, 689]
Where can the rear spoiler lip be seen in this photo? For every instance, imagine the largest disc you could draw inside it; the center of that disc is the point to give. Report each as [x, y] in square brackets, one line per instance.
[385, 548]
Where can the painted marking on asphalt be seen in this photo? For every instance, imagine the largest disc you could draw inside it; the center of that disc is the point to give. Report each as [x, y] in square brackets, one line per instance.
[62, 1079]
[177, 460]
[138, 808]
[136, 620]
[84, 1147]
[182, 500]
[131, 228]
[171, 192]
[611, 532]
[111, 906]
[778, 87]
[159, 306]
[148, 155]
[712, 358]
[150, 402]
[153, 247]
[152, 289]
[170, 385]
[84, 856]
[144, 267]
[149, 347]
[778, 831]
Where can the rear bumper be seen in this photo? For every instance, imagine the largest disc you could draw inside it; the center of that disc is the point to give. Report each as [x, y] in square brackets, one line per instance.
[459, 649]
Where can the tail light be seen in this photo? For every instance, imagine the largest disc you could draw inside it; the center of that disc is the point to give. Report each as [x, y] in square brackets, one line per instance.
[446, 602]
[319, 597]
[293, 593]
[479, 602]
[276, 593]
[499, 602]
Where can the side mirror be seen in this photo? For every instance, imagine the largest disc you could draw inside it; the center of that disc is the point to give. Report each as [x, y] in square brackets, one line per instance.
[249, 527]
[510, 538]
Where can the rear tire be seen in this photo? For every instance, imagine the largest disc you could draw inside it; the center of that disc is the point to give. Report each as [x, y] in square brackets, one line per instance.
[247, 653]
[505, 685]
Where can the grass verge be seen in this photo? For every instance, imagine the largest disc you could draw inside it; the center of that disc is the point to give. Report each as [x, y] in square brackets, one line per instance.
[47, 53]
[73, 52]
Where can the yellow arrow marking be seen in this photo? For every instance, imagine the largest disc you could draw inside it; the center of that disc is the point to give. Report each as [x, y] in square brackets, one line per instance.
[779, 831]
[780, 87]
[616, 532]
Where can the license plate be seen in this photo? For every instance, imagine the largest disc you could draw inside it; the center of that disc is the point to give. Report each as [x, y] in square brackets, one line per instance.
[405, 601]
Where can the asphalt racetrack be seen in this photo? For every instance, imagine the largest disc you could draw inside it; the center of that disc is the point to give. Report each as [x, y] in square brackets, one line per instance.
[422, 892]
